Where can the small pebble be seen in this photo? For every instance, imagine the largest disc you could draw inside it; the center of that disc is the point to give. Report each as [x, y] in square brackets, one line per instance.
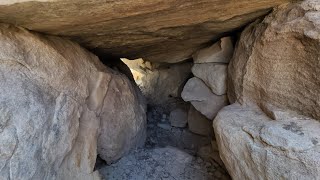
[208, 164]
[129, 163]
[197, 166]
[164, 126]
[127, 171]
[165, 175]
[199, 160]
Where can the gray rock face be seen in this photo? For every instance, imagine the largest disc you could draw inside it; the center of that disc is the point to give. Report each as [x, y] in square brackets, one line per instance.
[253, 146]
[47, 128]
[53, 96]
[202, 98]
[214, 75]
[178, 118]
[198, 123]
[277, 61]
[220, 52]
[123, 120]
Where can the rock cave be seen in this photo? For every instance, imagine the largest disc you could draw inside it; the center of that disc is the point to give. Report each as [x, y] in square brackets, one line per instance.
[155, 89]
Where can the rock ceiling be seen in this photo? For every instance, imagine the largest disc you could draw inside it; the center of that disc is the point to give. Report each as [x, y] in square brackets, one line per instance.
[157, 30]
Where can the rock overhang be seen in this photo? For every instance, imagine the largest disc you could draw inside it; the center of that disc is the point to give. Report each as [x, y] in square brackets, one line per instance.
[159, 31]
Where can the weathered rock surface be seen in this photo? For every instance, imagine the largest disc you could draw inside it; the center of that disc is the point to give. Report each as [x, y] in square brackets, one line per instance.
[162, 31]
[48, 129]
[198, 123]
[161, 84]
[53, 93]
[220, 52]
[253, 146]
[276, 62]
[178, 118]
[123, 119]
[201, 97]
[214, 75]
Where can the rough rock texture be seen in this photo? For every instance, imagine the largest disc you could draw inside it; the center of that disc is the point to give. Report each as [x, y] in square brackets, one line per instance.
[198, 123]
[211, 153]
[163, 163]
[220, 52]
[253, 146]
[274, 74]
[201, 97]
[123, 124]
[161, 84]
[178, 118]
[214, 75]
[162, 134]
[276, 62]
[47, 128]
[163, 31]
[52, 95]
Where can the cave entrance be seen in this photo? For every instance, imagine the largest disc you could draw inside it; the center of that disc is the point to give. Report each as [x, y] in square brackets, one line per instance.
[176, 146]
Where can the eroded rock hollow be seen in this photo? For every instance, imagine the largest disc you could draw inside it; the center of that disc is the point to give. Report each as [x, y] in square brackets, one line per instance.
[174, 89]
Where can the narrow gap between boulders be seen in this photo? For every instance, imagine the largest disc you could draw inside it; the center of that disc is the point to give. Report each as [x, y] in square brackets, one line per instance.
[171, 151]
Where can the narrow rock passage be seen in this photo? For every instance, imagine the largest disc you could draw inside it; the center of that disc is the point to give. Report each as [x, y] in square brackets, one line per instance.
[170, 153]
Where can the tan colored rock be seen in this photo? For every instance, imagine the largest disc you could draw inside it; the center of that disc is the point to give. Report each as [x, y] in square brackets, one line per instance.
[157, 30]
[55, 96]
[48, 125]
[219, 52]
[201, 97]
[253, 146]
[123, 120]
[198, 123]
[214, 75]
[161, 84]
[276, 62]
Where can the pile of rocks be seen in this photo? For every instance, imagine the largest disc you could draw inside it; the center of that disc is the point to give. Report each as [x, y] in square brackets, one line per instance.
[207, 90]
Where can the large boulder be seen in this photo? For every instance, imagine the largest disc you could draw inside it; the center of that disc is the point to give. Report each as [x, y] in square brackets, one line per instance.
[157, 30]
[53, 93]
[123, 119]
[219, 52]
[276, 62]
[214, 75]
[254, 146]
[274, 74]
[201, 97]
